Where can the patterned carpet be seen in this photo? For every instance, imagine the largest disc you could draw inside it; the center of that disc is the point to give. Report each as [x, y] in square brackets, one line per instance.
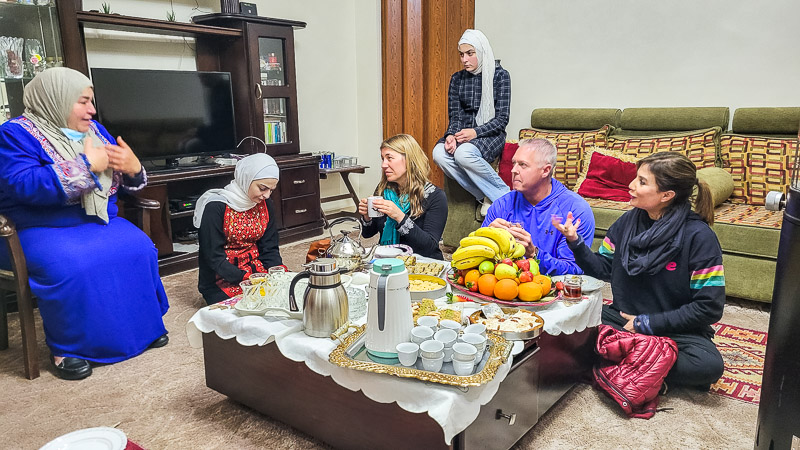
[743, 351]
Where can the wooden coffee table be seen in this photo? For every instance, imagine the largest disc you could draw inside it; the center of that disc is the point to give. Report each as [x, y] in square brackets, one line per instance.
[263, 379]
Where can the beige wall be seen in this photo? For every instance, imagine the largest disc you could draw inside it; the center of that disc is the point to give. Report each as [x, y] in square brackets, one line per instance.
[627, 53]
[338, 71]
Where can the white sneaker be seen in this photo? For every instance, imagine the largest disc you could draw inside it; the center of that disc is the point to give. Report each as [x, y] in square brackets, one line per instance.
[485, 206]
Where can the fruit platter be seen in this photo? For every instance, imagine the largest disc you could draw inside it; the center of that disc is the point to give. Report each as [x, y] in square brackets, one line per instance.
[489, 264]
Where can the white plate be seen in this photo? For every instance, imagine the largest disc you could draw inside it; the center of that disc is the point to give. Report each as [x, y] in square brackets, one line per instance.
[100, 438]
[588, 284]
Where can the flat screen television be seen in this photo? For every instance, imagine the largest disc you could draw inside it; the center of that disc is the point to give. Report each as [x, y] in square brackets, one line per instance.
[166, 114]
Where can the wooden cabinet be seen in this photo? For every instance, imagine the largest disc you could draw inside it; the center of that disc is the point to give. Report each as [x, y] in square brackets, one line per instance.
[259, 54]
[262, 68]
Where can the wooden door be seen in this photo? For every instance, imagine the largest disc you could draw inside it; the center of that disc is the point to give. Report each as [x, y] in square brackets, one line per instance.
[419, 54]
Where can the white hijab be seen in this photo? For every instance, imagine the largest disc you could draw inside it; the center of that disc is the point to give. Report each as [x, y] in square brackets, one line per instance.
[486, 68]
[254, 167]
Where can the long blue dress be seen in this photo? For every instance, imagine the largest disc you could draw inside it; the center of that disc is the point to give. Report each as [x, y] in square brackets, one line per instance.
[100, 295]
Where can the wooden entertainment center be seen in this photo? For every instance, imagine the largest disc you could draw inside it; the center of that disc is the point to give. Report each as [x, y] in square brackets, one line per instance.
[259, 54]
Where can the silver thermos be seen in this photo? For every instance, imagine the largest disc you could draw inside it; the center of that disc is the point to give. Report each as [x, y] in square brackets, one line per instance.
[325, 307]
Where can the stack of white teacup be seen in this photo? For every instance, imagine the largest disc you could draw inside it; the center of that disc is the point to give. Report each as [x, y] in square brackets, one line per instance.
[440, 342]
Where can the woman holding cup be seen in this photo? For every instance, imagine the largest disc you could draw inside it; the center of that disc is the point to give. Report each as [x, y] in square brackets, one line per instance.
[406, 208]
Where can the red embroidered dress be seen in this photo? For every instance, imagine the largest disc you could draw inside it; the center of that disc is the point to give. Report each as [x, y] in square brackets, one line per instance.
[242, 232]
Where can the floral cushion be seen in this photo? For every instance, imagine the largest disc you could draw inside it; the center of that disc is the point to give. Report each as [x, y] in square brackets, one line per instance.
[571, 146]
[700, 146]
[758, 165]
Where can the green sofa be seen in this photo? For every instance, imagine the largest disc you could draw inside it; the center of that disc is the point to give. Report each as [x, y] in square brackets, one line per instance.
[748, 233]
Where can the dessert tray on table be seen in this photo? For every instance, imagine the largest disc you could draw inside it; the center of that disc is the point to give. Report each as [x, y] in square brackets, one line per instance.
[527, 332]
[352, 354]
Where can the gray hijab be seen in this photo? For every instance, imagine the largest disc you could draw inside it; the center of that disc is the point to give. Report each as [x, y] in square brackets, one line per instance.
[48, 100]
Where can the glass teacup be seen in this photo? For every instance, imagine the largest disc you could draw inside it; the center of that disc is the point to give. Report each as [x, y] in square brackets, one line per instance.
[572, 288]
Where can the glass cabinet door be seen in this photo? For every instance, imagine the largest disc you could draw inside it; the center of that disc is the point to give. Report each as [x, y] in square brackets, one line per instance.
[30, 41]
[275, 121]
[271, 61]
[272, 65]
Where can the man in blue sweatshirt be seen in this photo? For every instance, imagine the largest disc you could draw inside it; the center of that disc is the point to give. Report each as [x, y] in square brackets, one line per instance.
[527, 210]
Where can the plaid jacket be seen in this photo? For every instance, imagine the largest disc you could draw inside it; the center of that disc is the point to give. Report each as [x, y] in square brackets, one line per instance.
[463, 101]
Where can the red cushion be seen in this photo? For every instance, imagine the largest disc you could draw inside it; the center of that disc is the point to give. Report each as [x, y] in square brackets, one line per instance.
[505, 165]
[608, 178]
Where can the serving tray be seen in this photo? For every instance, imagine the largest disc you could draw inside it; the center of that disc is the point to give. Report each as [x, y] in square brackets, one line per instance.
[351, 354]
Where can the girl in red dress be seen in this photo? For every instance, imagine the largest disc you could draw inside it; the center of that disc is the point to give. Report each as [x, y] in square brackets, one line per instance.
[238, 233]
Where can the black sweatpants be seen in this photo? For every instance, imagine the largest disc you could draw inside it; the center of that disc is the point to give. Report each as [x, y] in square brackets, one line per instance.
[699, 363]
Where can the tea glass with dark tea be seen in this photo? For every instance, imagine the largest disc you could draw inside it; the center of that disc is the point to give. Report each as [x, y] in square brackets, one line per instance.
[572, 288]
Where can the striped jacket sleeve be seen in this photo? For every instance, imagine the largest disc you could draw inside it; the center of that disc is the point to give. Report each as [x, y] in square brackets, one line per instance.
[706, 287]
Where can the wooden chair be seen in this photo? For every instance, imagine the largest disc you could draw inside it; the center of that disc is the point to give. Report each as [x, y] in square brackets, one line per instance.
[16, 281]
[14, 284]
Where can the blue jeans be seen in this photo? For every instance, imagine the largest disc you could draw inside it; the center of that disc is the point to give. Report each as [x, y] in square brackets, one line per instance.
[471, 171]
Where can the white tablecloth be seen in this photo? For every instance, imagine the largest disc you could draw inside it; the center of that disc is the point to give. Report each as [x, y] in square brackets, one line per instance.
[454, 409]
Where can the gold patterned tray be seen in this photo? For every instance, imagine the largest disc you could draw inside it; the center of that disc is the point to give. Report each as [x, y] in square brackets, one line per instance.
[351, 354]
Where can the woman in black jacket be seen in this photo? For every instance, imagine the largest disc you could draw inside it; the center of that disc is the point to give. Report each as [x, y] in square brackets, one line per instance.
[414, 210]
[665, 265]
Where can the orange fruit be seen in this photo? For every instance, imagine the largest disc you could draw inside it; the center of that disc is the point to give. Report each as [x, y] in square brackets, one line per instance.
[486, 284]
[544, 282]
[506, 289]
[471, 278]
[530, 291]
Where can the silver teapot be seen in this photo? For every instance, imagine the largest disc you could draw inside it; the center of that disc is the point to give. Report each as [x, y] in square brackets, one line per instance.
[348, 253]
[325, 305]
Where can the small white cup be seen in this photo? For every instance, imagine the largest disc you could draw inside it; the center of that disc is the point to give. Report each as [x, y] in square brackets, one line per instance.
[463, 368]
[450, 325]
[477, 341]
[446, 337]
[431, 349]
[432, 365]
[421, 334]
[448, 354]
[464, 352]
[429, 321]
[476, 328]
[407, 353]
[371, 210]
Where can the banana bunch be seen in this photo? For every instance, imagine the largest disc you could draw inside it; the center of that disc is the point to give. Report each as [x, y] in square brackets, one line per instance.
[486, 243]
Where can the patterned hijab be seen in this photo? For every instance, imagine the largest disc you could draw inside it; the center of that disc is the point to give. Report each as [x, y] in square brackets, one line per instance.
[254, 167]
[49, 99]
[485, 68]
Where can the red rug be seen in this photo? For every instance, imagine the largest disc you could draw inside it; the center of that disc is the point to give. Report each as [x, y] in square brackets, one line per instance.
[743, 351]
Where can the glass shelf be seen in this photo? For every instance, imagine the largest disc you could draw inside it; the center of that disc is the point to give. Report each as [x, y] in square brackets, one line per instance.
[30, 41]
[275, 121]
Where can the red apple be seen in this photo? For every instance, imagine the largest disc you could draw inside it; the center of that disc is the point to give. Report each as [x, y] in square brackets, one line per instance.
[525, 277]
[524, 265]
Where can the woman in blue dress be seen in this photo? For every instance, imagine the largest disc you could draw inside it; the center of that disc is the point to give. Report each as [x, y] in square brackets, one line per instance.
[95, 274]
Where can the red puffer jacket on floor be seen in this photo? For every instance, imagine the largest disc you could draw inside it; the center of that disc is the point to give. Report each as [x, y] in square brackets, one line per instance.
[633, 368]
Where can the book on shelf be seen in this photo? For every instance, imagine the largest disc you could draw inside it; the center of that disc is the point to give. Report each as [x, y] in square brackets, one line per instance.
[275, 131]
